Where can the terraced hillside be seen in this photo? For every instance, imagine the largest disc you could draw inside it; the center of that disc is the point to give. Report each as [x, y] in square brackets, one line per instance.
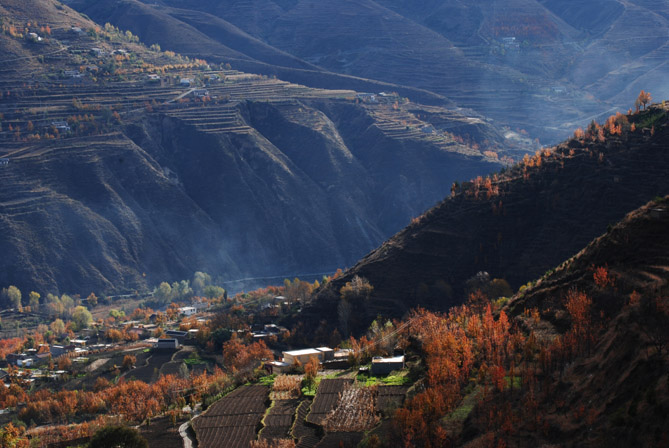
[515, 225]
[232, 421]
[544, 57]
[146, 166]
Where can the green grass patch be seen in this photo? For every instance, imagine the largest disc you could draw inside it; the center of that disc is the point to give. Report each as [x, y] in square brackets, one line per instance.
[267, 380]
[650, 119]
[332, 376]
[461, 413]
[194, 359]
[399, 378]
[310, 391]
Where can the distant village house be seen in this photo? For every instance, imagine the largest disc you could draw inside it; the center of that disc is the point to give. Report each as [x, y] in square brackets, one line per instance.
[61, 125]
[200, 93]
[367, 97]
[177, 334]
[72, 73]
[383, 366]
[303, 356]
[166, 344]
[187, 310]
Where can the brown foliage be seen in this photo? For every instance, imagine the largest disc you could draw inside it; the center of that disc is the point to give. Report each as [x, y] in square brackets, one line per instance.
[239, 357]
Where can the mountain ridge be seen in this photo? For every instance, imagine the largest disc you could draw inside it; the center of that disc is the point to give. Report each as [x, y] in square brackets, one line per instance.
[515, 225]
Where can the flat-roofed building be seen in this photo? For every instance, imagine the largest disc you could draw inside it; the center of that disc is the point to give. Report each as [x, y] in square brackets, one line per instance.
[383, 366]
[166, 344]
[304, 355]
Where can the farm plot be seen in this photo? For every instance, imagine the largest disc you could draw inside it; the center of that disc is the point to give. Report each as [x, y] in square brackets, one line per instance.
[149, 373]
[341, 440]
[279, 419]
[173, 368]
[232, 421]
[327, 398]
[305, 433]
[286, 387]
[161, 433]
[390, 398]
[355, 411]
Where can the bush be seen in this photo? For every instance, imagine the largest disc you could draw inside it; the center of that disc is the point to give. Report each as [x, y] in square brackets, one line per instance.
[118, 437]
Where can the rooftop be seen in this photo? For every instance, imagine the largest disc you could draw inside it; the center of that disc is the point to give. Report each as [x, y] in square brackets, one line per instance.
[305, 351]
[394, 359]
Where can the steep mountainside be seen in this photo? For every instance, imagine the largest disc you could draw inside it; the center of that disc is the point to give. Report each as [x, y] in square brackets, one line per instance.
[560, 62]
[616, 392]
[128, 166]
[519, 224]
[201, 34]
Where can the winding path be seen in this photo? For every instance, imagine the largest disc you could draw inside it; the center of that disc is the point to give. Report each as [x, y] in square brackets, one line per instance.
[183, 432]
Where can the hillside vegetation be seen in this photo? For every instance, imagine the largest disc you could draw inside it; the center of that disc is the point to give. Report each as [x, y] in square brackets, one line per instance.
[577, 359]
[517, 224]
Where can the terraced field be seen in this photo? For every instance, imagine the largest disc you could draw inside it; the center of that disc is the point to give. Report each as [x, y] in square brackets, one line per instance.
[150, 372]
[389, 398]
[327, 398]
[305, 433]
[233, 420]
[279, 420]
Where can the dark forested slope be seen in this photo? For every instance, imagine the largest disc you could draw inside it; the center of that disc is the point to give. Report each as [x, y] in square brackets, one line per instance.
[521, 223]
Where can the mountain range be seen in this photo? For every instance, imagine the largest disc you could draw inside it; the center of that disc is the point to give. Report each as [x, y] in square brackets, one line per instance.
[128, 166]
[542, 66]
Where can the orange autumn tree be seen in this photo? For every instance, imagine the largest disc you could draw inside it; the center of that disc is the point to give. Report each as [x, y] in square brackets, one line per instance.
[642, 100]
[602, 277]
[242, 358]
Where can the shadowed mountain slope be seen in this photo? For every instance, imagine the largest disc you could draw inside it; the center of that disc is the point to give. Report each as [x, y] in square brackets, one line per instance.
[618, 378]
[519, 224]
[120, 175]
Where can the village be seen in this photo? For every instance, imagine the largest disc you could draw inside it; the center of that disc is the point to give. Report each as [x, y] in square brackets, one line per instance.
[305, 385]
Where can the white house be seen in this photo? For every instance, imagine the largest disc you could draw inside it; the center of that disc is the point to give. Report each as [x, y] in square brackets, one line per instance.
[304, 355]
[277, 367]
[383, 366]
[200, 93]
[187, 310]
[27, 362]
